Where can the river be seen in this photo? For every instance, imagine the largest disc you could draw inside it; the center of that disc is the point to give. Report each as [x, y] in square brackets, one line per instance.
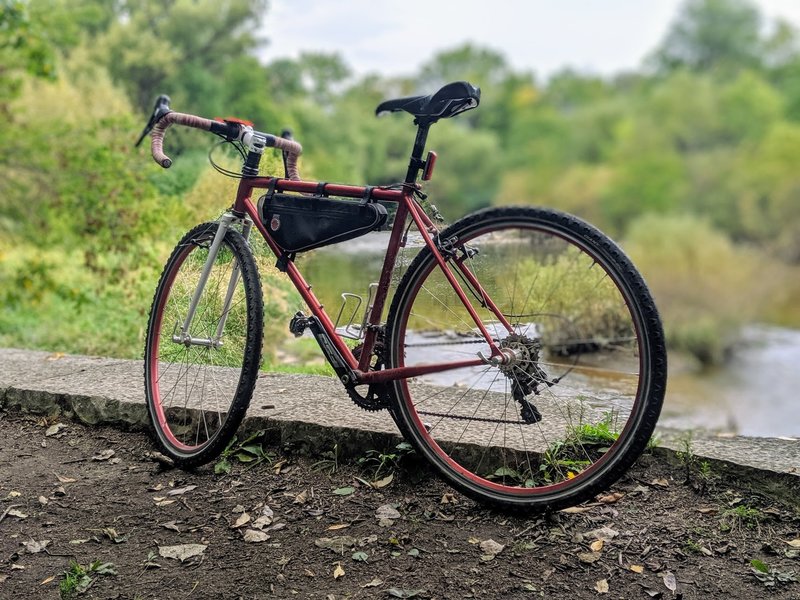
[755, 394]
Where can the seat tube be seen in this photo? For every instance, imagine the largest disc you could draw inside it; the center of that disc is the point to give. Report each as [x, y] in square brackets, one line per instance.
[224, 223]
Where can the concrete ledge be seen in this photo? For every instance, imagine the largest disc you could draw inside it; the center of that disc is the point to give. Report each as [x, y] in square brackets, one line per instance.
[308, 413]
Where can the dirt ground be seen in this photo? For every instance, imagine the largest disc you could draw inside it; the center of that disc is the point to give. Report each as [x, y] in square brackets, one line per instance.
[311, 528]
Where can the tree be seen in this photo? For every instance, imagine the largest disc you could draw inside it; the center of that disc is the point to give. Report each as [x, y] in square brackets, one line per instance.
[23, 49]
[712, 35]
[181, 46]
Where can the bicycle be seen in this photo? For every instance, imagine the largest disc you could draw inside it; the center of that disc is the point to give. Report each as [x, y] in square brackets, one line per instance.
[548, 338]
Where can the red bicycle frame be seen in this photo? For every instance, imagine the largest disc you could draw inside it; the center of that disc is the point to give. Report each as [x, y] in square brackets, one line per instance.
[407, 206]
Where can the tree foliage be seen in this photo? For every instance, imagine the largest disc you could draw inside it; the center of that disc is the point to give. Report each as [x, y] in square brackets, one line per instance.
[708, 131]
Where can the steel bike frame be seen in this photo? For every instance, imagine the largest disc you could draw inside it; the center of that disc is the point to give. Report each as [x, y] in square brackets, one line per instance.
[407, 206]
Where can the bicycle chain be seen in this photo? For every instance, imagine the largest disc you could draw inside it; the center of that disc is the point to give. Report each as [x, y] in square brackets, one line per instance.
[465, 418]
[422, 345]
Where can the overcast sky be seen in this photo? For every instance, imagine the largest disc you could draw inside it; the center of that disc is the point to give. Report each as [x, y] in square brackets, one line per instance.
[394, 37]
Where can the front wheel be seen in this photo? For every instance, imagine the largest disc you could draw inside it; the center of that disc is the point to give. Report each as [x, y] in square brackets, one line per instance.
[580, 391]
[198, 384]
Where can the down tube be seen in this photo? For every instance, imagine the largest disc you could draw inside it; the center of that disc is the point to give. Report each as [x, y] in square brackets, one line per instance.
[304, 289]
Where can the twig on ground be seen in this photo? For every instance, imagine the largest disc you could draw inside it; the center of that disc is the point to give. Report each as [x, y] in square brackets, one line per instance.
[3, 516]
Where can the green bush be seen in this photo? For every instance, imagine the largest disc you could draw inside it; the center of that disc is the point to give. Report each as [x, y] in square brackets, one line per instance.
[702, 283]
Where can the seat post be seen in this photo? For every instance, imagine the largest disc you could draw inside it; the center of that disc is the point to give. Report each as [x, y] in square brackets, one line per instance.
[416, 163]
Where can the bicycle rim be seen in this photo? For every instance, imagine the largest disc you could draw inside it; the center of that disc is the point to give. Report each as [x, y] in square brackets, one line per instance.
[580, 396]
[197, 392]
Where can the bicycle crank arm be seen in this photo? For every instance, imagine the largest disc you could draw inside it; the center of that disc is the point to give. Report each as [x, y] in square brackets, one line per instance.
[343, 371]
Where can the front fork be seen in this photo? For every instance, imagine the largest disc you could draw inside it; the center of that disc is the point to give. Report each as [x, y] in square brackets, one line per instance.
[184, 336]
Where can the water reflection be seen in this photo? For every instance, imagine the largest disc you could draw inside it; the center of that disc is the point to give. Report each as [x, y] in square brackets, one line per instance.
[755, 394]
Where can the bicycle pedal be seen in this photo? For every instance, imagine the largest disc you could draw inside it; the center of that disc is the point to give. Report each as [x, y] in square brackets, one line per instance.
[298, 324]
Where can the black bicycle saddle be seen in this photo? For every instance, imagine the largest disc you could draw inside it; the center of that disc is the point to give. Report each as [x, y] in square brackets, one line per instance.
[454, 98]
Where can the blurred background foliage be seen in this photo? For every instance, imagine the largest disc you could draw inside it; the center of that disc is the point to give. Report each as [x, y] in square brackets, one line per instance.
[691, 162]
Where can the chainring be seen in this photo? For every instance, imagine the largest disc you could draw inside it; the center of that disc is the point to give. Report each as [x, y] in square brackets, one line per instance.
[377, 397]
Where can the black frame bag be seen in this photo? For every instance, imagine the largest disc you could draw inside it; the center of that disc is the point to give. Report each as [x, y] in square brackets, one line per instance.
[299, 223]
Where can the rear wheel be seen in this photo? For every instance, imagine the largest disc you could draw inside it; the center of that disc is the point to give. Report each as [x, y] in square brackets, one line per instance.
[198, 387]
[580, 394]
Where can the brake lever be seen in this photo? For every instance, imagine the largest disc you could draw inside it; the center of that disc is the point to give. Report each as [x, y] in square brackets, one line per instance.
[159, 110]
[286, 134]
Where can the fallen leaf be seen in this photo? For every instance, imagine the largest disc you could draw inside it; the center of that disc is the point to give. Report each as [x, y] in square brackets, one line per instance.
[83, 541]
[16, 513]
[588, 557]
[171, 525]
[360, 556]
[112, 534]
[448, 498]
[261, 522]
[181, 491]
[374, 583]
[338, 571]
[255, 536]
[611, 499]
[54, 429]
[13, 494]
[387, 511]
[48, 580]
[301, 498]
[16, 567]
[338, 526]
[65, 479]
[637, 568]
[414, 553]
[382, 483]
[794, 543]
[163, 502]
[574, 510]
[491, 547]
[34, 547]
[596, 546]
[604, 533]
[182, 552]
[670, 582]
[104, 455]
[601, 586]
[344, 491]
[662, 483]
[706, 510]
[474, 540]
[243, 519]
